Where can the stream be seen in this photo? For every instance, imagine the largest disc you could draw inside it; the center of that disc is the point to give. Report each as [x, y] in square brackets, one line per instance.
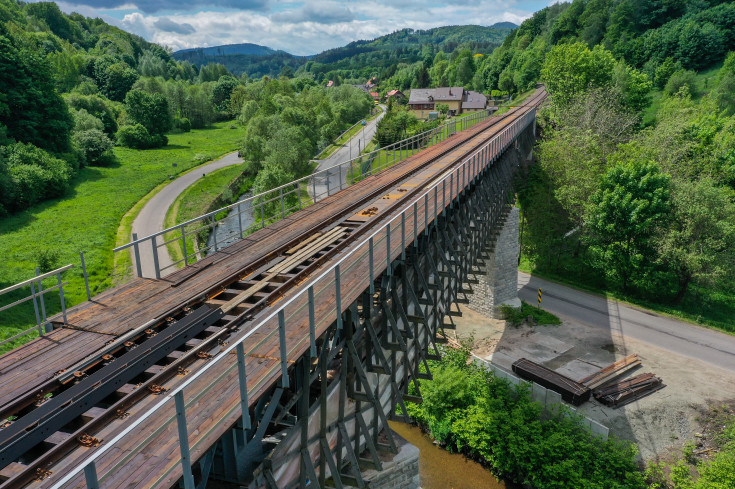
[227, 229]
[440, 469]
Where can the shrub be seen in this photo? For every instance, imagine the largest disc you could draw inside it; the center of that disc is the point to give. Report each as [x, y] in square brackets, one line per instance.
[92, 146]
[474, 412]
[47, 260]
[34, 175]
[678, 80]
[182, 124]
[135, 136]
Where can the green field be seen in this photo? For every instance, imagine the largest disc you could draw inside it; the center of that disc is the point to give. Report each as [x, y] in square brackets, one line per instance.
[88, 217]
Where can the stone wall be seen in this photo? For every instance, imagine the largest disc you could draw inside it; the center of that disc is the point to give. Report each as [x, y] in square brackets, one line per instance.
[401, 471]
[498, 277]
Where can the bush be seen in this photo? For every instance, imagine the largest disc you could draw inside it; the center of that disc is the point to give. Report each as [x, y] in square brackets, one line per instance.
[92, 147]
[474, 412]
[182, 124]
[47, 260]
[32, 175]
[678, 80]
[138, 137]
[135, 136]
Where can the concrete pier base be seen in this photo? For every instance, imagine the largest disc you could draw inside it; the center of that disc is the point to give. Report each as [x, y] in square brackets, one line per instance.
[498, 276]
[400, 471]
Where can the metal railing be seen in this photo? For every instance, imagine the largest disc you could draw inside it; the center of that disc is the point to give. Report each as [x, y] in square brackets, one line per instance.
[378, 250]
[190, 240]
[37, 295]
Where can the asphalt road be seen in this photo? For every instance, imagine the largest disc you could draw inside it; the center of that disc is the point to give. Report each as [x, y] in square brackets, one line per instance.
[680, 337]
[151, 218]
[352, 149]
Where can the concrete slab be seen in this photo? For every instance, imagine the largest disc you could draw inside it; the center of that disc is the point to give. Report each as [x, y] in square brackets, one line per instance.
[544, 348]
[577, 369]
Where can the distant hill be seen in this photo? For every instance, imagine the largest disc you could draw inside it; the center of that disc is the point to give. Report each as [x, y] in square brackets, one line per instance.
[504, 25]
[403, 46]
[227, 49]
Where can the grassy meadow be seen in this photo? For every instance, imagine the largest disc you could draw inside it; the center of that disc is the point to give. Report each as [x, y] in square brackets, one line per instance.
[87, 218]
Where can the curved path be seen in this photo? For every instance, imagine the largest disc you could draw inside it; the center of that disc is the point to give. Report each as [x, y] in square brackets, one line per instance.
[151, 218]
[351, 149]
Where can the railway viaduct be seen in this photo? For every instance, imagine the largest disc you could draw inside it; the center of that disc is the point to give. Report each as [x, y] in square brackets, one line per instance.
[278, 360]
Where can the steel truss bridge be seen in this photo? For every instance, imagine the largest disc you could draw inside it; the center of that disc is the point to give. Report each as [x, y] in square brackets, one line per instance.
[278, 360]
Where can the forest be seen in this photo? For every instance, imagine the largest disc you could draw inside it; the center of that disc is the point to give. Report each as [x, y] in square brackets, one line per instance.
[71, 88]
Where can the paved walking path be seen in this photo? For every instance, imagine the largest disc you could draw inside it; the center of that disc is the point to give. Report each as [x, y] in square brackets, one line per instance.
[708, 345]
[351, 149]
[151, 218]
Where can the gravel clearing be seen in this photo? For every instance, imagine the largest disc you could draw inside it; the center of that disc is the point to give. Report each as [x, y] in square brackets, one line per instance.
[660, 423]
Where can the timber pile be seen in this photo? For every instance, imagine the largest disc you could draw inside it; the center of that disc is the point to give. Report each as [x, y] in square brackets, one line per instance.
[626, 391]
[613, 370]
[571, 390]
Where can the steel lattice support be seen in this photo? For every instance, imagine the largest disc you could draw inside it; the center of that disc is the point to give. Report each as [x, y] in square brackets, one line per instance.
[328, 420]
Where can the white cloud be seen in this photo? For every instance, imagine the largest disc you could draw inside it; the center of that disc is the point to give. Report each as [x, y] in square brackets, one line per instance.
[300, 27]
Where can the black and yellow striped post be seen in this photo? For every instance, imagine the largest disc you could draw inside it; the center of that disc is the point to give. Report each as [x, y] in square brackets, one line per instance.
[539, 298]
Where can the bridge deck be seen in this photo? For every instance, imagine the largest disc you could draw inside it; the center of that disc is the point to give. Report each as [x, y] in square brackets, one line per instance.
[120, 310]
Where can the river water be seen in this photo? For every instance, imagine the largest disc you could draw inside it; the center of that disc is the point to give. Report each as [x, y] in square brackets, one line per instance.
[440, 469]
[228, 229]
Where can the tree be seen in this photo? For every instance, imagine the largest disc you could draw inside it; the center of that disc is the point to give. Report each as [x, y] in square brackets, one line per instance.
[149, 110]
[629, 205]
[222, 91]
[442, 108]
[570, 69]
[632, 86]
[699, 242]
[30, 108]
[118, 79]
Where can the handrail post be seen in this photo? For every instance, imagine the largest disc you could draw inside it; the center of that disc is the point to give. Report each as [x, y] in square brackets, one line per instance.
[156, 267]
[184, 440]
[239, 219]
[136, 251]
[90, 476]
[338, 296]
[243, 388]
[61, 298]
[86, 278]
[312, 323]
[214, 232]
[283, 208]
[183, 242]
[298, 193]
[35, 309]
[43, 299]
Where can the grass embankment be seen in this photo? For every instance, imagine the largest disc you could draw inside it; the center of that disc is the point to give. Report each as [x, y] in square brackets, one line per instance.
[468, 409]
[520, 98]
[198, 199]
[714, 307]
[88, 217]
[516, 316]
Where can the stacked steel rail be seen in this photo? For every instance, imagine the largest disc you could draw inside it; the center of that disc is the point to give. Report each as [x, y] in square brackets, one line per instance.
[46, 423]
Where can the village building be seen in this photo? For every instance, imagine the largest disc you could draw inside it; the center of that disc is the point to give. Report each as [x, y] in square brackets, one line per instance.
[422, 101]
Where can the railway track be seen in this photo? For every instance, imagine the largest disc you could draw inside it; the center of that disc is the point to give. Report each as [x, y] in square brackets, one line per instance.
[42, 425]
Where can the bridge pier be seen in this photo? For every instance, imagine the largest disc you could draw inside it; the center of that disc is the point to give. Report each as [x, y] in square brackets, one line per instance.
[497, 277]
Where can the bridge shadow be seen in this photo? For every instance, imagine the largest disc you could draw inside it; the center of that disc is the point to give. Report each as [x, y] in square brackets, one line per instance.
[574, 348]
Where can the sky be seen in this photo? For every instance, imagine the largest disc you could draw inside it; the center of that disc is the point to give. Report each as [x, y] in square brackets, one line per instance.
[300, 27]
